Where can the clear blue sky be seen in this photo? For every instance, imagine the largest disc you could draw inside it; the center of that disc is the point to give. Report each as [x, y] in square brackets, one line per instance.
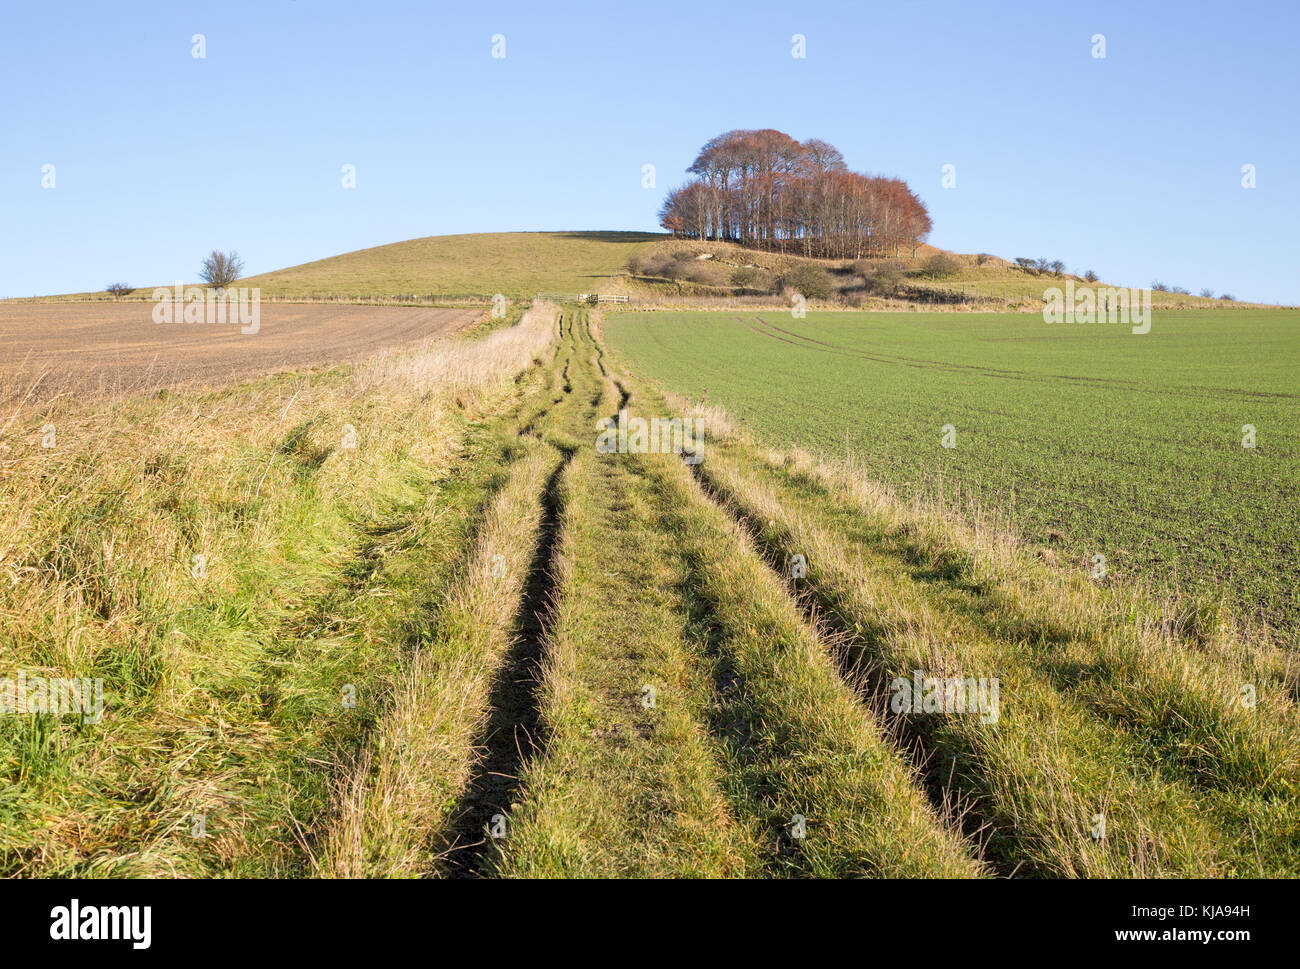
[1129, 165]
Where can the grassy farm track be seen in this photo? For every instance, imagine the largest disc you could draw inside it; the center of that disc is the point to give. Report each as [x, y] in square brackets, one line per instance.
[695, 700]
[504, 652]
[690, 716]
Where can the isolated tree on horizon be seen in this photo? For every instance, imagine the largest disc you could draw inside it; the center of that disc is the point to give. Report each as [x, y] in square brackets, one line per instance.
[220, 269]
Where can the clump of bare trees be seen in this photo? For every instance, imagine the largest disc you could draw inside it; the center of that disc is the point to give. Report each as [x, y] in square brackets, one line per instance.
[761, 188]
[1041, 267]
[220, 269]
[119, 289]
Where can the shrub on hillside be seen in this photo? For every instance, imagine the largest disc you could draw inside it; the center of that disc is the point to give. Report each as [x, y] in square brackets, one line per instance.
[939, 266]
[751, 278]
[705, 272]
[1090, 276]
[674, 269]
[119, 289]
[885, 279]
[813, 282]
[651, 264]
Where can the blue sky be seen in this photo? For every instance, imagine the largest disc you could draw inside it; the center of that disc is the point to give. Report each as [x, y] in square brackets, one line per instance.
[1129, 165]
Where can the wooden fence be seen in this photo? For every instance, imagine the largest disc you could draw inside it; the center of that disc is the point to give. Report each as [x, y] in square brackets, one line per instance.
[582, 297]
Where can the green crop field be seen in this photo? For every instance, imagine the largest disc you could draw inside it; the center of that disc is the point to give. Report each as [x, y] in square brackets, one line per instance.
[1106, 442]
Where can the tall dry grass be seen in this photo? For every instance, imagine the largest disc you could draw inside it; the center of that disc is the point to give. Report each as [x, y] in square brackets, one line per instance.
[466, 364]
[224, 561]
[1112, 706]
[392, 805]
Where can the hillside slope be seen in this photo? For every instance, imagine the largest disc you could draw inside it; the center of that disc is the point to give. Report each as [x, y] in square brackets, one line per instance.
[651, 268]
[521, 264]
[515, 264]
[680, 271]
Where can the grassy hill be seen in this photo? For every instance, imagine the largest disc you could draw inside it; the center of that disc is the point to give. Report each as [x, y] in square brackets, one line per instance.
[520, 264]
[652, 268]
[516, 264]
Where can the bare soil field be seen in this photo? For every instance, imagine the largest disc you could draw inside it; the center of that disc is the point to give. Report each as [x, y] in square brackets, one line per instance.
[52, 348]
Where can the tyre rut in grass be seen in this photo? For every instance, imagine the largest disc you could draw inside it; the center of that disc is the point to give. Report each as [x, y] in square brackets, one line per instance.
[934, 775]
[628, 786]
[394, 807]
[1048, 769]
[806, 748]
[798, 741]
[513, 734]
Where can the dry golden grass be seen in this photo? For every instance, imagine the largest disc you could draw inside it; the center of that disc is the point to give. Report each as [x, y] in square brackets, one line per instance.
[393, 805]
[221, 674]
[466, 364]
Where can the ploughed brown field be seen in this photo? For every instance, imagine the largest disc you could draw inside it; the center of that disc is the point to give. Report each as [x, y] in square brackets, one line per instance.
[51, 348]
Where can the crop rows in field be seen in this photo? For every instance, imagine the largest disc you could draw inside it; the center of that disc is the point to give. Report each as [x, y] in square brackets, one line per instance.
[1129, 446]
